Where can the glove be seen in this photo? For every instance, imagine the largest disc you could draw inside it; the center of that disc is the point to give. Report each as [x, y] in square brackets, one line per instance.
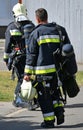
[9, 64]
[27, 77]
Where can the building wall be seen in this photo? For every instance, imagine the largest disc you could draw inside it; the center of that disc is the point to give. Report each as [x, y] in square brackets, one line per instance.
[6, 11]
[68, 13]
[5, 14]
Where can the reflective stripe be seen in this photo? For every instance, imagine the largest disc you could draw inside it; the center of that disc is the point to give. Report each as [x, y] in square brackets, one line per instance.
[15, 32]
[49, 116]
[29, 69]
[48, 38]
[6, 55]
[57, 104]
[44, 41]
[45, 69]
[35, 84]
[40, 69]
[54, 102]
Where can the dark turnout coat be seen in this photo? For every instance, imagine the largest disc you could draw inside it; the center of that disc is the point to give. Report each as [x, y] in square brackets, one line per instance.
[43, 41]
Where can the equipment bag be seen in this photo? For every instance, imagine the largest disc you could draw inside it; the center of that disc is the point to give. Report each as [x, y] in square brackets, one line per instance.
[70, 65]
[66, 67]
[71, 86]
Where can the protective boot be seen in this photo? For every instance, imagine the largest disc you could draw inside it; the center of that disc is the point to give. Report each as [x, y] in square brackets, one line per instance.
[60, 118]
[59, 113]
[49, 124]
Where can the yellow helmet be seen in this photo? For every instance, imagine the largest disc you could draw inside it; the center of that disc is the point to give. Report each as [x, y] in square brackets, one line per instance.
[19, 9]
[28, 92]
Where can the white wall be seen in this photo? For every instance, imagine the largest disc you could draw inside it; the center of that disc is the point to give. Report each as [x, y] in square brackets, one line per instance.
[68, 13]
[5, 11]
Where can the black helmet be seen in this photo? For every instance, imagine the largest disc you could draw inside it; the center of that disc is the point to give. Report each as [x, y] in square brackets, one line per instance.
[67, 50]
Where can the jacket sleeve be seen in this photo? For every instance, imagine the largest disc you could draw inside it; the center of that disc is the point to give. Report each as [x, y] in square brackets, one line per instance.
[31, 54]
[66, 37]
[7, 49]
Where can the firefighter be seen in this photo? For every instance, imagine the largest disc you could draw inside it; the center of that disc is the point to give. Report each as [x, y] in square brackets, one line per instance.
[43, 41]
[15, 42]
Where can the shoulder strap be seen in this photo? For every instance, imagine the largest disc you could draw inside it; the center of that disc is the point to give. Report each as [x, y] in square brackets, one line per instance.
[60, 35]
[58, 51]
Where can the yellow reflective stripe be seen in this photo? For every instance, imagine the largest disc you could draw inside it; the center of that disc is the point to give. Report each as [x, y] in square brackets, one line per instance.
[15, 32]
[45, 71]
[39, 71]
[6, 56]
[35, 85]
[58, 105]
[44, 41]
[30, 71]
[49, 118]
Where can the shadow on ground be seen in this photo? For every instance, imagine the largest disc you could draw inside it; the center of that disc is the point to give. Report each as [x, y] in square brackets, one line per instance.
[13, 123]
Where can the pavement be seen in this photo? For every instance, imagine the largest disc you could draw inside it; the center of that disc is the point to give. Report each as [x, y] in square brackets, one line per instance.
[7, 108]
[24, 119]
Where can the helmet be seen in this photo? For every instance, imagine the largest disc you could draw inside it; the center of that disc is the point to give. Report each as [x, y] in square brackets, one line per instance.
[20, 12]
[27, 91]
[19, 9]
[67, 50]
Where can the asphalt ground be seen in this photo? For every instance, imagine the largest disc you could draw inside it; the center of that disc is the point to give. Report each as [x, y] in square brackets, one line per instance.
[12, 118]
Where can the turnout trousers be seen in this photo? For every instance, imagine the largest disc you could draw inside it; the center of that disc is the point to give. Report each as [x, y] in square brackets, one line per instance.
[19, 69]
[48, 98]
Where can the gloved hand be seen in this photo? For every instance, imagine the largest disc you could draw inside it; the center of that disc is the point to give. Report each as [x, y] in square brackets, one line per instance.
[27, 77]
[9, 65]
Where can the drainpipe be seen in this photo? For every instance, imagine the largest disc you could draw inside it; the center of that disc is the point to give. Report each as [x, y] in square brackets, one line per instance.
[20, 1]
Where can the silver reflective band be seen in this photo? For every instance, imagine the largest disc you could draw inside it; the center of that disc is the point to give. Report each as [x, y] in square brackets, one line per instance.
[29, 67]
[45, 67]
[48, 114]
[47, 36]
[54, 102]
